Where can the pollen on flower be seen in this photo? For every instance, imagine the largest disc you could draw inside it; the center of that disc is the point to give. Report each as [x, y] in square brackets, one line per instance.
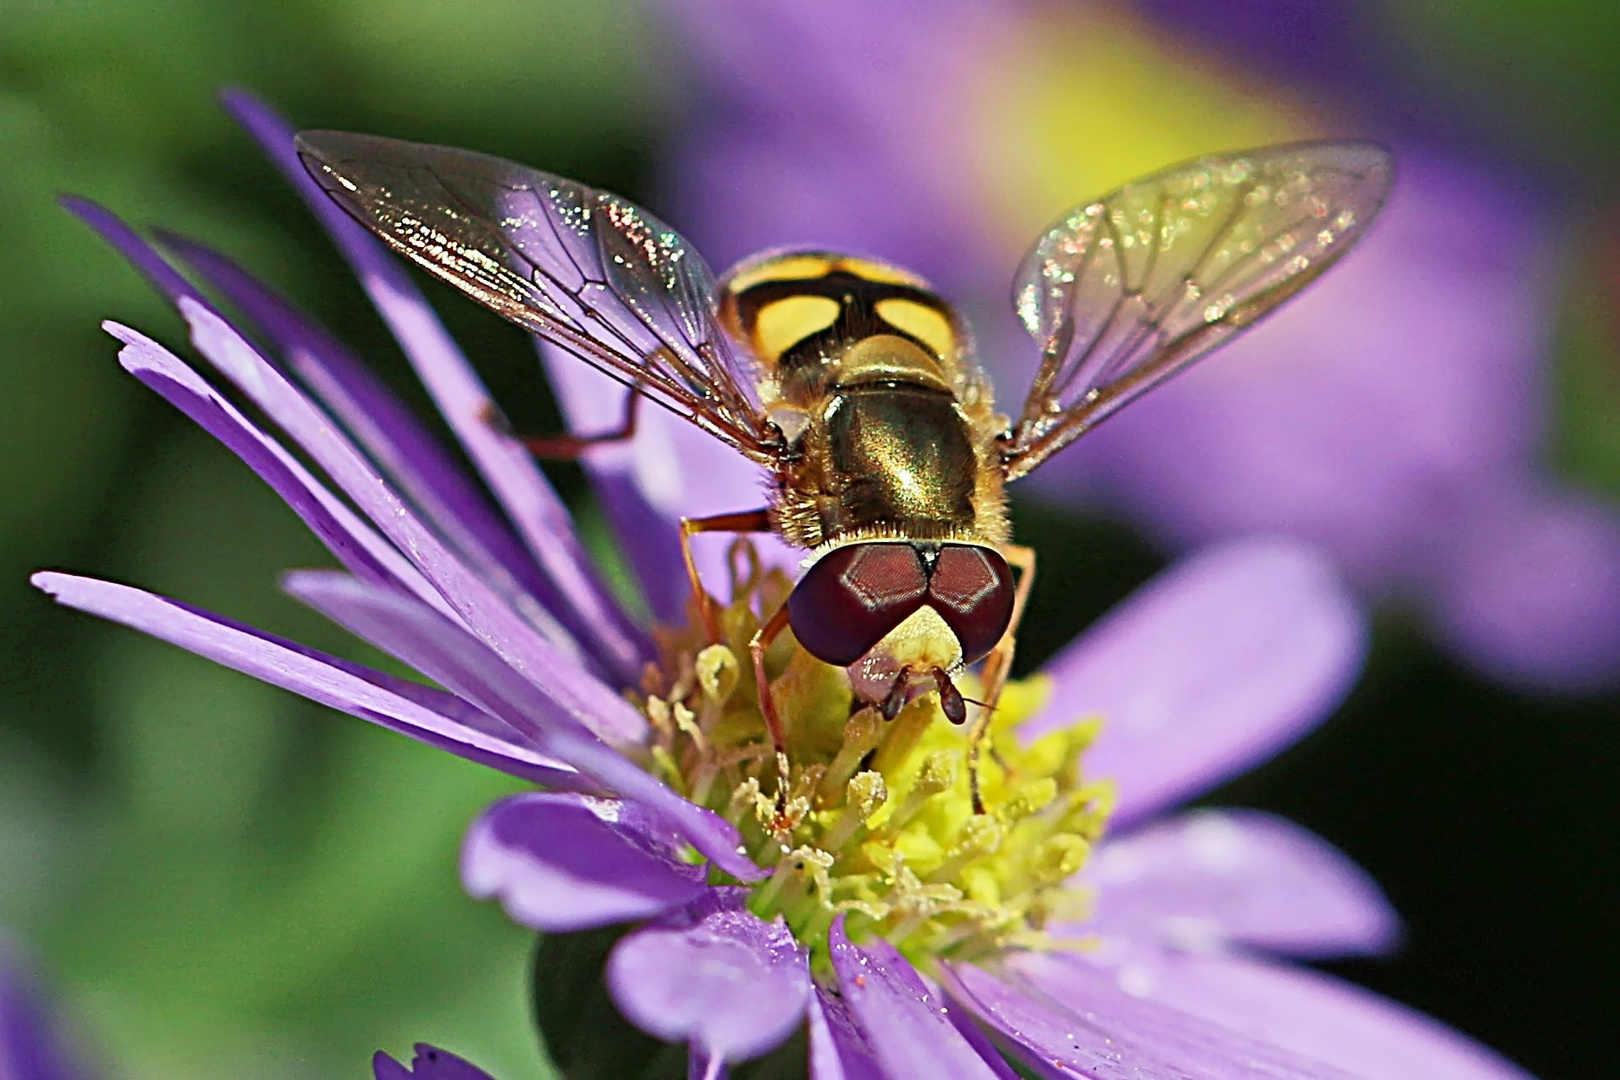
[870, 818]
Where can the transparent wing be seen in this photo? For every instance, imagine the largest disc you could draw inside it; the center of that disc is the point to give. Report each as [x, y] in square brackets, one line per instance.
[1124, 292]
[586, 269]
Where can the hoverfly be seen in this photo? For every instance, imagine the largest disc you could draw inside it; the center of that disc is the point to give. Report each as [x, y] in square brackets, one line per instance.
[854, 384]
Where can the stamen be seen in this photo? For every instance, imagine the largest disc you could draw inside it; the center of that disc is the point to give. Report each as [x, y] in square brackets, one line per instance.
[870, 810]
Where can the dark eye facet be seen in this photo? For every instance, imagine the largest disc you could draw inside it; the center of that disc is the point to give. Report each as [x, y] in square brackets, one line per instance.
[855, 595]
[972, 589]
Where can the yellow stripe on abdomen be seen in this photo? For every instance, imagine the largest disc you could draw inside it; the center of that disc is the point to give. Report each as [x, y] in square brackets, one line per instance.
[784, 323]
[928, 325]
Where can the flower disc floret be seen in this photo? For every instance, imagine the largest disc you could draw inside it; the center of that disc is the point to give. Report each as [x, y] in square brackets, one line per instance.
[874, 818]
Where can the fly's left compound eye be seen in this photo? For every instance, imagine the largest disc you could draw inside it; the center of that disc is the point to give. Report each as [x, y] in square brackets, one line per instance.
[972, 589]
[853, 597]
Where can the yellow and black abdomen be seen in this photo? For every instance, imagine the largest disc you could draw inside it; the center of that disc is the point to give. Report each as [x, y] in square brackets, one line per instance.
[800, 312]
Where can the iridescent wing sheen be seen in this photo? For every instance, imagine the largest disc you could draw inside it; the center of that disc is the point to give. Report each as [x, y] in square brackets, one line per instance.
[1124, 292]
[583, 268]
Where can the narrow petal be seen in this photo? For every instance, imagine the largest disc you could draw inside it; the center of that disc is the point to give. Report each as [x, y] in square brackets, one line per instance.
[430, 1063]
[907, 1025]
[703, 1065]
[716, 976]
[1298, 1010]
[424, 714]
[1217, 664]
[670, 470]
[528, 637]
[558, 716]
[838, 1050]
[1206, 880]
[451, 655]
[30, 1046]
[385, 428]
[1086, 1026]
[466, 405]
[536, 650]
[355, 544]
[562, 862]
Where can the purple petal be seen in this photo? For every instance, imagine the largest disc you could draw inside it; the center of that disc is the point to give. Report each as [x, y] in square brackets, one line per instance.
[1208, 879]
[568, 862]
[165, 278]
[466, 405]
[838, 1050]
[529, 644]
[385, 428]
[558, 715]
[445, 651]
[430, 1063]
[1299, 1010]
[354, 543]
[30, 1046]
[702, 1065]
[907, 1025]
[424, 714]
[533, 651]
[670, 470]
[716, 975]
[1086, 1026]
[1218, 663]
[1528, 587]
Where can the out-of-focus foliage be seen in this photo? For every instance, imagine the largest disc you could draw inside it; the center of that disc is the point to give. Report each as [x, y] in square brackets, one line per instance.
[1528, 75]
[228, 882]
[222, 879]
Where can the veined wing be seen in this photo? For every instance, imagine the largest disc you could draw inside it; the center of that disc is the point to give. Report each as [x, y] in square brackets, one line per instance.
[586, 269]
[1126, 291]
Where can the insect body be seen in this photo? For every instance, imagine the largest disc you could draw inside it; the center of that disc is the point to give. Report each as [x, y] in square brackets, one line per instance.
[854, 384]
[895, 471]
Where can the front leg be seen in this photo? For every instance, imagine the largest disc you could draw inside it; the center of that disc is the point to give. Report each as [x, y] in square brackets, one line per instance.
[998, 665]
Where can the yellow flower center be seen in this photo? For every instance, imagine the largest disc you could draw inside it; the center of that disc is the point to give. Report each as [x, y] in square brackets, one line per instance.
[868, 817]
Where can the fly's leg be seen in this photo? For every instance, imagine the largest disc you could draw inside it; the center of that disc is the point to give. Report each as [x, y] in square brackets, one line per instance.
[573, 447]
[749, 522]
[998, 664]
[767, 703]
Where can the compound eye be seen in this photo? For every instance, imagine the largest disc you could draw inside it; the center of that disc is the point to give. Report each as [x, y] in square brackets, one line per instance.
[972, 589]
[854, 596]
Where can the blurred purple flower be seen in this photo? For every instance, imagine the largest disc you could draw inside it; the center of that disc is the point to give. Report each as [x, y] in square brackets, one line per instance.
[430, 1063]
[1396, 415]
[1226, 658]
[31, 1044]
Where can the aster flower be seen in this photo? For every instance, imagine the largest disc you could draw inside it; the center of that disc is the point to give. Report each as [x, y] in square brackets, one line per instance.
[1395, 416]
[846, 887]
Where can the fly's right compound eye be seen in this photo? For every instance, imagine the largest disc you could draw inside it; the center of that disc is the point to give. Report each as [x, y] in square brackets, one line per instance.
[853, 597]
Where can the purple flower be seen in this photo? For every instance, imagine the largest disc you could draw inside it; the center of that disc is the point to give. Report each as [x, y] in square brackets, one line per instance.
[1396, 415]
[31, 1044]
[848, 885]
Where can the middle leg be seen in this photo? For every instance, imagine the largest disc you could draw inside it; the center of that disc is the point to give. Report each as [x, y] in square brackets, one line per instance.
[751, 521]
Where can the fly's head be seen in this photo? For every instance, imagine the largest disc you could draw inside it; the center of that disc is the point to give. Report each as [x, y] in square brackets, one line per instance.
[903, 616]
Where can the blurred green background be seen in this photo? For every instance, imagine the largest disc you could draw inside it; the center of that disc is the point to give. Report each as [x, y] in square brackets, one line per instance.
[225, 880]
